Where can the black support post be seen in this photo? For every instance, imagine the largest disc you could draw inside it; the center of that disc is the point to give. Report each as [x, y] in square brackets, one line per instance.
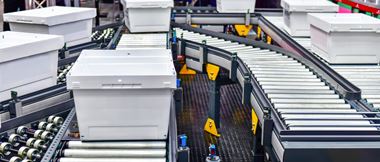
[214, 102]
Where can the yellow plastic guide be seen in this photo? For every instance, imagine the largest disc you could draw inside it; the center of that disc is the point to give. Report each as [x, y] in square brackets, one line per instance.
[186, 71]
[243, 30]
[210, 127]
[212, 71]
[255, 121]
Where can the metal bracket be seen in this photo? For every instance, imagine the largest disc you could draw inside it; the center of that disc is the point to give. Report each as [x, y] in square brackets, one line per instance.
[15, 106]
[247, 89]
[178, 98]
[184, 155]
[182, 46]
[234, 67]
[247, 18]
[257, 148]
[204, 53]
[266, 140]
[188, 17]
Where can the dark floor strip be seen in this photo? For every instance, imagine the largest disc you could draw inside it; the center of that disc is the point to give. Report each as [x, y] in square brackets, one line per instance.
[235, 143]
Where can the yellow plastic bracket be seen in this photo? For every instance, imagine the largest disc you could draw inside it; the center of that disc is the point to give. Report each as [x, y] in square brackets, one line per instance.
[186, 71]
[210, 127]
[255, 122]
[259, 32]
[269, 39]
[243, 30]
[212, 71]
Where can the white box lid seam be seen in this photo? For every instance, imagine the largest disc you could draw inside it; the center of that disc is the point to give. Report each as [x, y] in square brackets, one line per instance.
[310, 6]
[332, 22]
[149, 3]
[43, 16]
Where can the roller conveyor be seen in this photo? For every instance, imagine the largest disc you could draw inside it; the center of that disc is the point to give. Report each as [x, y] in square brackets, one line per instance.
[112, 160]
[268, 68]
[111, 153]
[314, 132]
[117, 145]
[127, 149]
[131, 151]
[366, 77]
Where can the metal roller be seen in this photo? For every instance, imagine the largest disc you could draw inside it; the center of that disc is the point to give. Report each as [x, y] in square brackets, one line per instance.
[108, 153]
[55, 119]
[297, 91]
[279, 69]
[306, 105]
[294, 83]
[288, 80]
[117, 145]
[282, 76]
[309, 101]
[294, 66]
[112, 160]
[306, 88]
[366, 77]
[305, 96]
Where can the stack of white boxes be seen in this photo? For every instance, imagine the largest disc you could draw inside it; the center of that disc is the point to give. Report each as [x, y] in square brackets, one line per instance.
[136, 41]
[295, 14]
[123, 94]
[143, 16]
[74, 23]
[236, 6]
[28, 62]
[345, 38]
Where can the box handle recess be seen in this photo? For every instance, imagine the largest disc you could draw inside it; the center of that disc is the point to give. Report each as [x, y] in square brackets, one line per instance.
[153, 5]
[362, 29]
[122, 86]
[27, 21]
[314, 9]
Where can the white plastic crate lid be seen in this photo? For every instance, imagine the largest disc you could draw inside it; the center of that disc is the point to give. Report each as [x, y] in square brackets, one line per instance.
[146, 73]
[355, 22]
[16, 45]
[309, 6]
[130, 52]
[143, 39]
[149, 3]
[51, 15]
[127, 56]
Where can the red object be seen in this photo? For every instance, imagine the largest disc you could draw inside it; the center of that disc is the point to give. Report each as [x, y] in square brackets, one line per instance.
[361, 6]
[180, 57]
[344, 10]
[212, 152]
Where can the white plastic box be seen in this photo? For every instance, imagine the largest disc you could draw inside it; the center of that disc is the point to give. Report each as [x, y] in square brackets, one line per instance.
[28, 62]
[123, 94]
[74, 23]
[295, 14]
[235, 6]
[148, 15]
[136, 41]
[345, 38]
